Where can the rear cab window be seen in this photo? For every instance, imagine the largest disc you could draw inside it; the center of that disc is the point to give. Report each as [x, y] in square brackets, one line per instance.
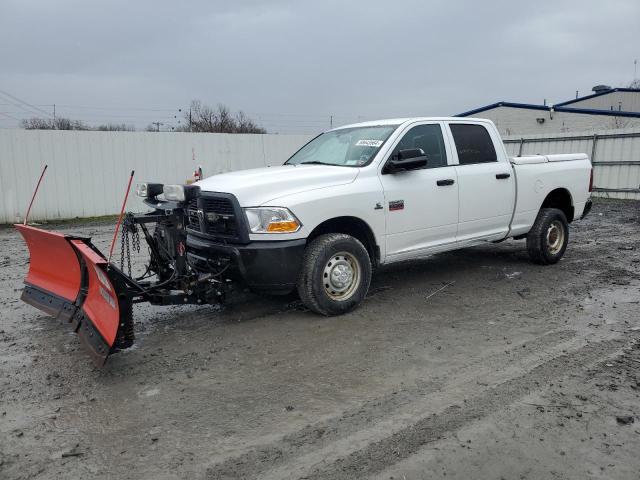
[473, 143]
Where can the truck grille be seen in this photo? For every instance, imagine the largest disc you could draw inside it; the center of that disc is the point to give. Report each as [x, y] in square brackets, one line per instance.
[192, 214]
[221, 206]
[214, 215]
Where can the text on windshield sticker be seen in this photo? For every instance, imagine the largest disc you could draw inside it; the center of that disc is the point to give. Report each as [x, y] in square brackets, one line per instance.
[368, 143]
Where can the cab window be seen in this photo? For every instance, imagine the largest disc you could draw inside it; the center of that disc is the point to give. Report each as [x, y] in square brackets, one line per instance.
[429, 139]
[473, 144]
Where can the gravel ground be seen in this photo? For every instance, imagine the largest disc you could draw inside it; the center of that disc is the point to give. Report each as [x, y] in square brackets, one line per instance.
[471, 364]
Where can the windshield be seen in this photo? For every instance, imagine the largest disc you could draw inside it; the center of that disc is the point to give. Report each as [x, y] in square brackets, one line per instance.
[346, 147]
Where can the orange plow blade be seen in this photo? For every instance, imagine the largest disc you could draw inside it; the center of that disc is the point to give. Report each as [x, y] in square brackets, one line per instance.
[53, 281]
[106, 309]
[70, 280]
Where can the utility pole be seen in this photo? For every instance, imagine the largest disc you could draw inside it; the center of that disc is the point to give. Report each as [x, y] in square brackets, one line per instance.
[180, 110]
[157, 124]
[331, 121]
[54, 113]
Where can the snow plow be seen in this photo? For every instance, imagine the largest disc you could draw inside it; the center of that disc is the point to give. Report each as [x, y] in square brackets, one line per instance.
[70, 280]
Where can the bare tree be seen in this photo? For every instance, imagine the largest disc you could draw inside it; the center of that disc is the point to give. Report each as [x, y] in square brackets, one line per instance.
[115, 127]
[203, 118]
[59, 123]
[62, 123]
[199, 118]
[246, 125]
[37, 124]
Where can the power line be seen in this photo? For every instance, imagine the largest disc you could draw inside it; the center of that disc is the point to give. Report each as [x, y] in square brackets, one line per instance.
[9, 116]
[95, 107]
[275, 121]
[7, 94]
[324, 117]
[157, 124]
[24, 110]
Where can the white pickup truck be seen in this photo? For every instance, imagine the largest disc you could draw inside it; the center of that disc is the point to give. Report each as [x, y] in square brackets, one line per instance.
[351, 199]
[374, 193]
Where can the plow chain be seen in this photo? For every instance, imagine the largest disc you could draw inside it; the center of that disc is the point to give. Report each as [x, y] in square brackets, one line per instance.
[129, 239]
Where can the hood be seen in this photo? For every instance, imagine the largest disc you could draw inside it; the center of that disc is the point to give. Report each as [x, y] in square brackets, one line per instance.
[258, 186]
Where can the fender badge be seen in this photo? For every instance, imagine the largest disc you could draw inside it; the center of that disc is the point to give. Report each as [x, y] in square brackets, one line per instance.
[378, 206]
[396, 205]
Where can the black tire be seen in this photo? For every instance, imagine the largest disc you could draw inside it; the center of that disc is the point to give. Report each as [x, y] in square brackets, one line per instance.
[321, 258]
[548, 238]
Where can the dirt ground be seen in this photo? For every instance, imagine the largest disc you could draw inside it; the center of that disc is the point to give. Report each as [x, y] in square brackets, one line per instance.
[471, 364]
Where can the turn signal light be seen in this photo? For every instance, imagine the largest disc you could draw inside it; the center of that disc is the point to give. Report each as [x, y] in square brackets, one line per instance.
[271, 220]
[283, 227]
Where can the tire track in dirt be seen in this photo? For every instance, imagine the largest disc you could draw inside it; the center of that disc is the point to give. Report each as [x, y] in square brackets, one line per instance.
[406, 442]
[322, 434]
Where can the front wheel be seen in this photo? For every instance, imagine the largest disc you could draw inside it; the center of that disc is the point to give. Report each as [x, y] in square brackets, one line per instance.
[548, 238]
[335, 274]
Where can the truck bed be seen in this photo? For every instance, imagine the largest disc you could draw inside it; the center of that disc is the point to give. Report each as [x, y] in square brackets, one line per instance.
[561, 157]
[538, 175]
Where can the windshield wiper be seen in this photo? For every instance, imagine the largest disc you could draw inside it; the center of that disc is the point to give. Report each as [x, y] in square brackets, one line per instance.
[316, 162]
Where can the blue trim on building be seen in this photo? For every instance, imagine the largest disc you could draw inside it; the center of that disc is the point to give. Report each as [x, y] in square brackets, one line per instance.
[590, 111]
[556, 108]
[528, 106]
[594, 95]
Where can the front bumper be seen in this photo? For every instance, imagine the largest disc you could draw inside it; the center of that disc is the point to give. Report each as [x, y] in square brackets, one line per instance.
[262, 265]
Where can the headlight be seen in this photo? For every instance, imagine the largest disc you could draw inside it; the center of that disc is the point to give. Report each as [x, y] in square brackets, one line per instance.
[148, 190]
[271, 220]
[174, 192]
[180, 193]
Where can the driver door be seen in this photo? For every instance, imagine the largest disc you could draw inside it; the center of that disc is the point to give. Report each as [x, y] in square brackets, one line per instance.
[421, 206]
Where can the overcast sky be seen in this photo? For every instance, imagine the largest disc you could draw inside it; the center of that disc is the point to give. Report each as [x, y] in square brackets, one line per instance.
[292, 64]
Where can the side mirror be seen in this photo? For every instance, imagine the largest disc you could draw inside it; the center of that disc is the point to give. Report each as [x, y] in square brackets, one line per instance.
[407, 159]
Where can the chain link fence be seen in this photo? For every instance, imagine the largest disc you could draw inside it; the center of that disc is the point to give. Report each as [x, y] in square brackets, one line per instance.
[614, 154]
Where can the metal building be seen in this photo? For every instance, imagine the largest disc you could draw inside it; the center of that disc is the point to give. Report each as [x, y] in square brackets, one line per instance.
[607, 108]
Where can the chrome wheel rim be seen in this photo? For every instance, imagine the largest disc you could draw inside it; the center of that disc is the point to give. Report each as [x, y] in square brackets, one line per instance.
[341, 276]
[555, 237]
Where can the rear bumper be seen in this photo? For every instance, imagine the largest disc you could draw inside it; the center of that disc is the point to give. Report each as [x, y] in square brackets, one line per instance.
[264, 265]
[587, 208]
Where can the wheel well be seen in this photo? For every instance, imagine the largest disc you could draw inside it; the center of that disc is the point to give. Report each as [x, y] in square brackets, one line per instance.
[351, 226]
[560, 198]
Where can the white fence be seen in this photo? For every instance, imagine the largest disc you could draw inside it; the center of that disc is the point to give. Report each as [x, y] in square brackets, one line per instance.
[615, 155]
[88, 171]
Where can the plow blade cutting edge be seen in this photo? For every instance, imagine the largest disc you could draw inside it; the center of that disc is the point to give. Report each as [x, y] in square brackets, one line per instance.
[69, 280]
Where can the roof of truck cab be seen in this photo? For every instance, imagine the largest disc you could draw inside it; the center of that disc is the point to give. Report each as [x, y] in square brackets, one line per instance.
[400, 121]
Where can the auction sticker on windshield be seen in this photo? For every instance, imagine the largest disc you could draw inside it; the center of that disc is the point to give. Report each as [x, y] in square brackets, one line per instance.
[368, 143]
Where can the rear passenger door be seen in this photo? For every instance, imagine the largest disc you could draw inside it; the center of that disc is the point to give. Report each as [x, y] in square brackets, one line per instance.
[486, 186]
[421, 206]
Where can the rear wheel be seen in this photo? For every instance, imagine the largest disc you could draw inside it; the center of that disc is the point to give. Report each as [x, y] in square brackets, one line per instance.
[548, 238]
[335, 274]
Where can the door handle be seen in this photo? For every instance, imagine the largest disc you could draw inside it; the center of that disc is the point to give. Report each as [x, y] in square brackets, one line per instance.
[502, 176]
[448, 181]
